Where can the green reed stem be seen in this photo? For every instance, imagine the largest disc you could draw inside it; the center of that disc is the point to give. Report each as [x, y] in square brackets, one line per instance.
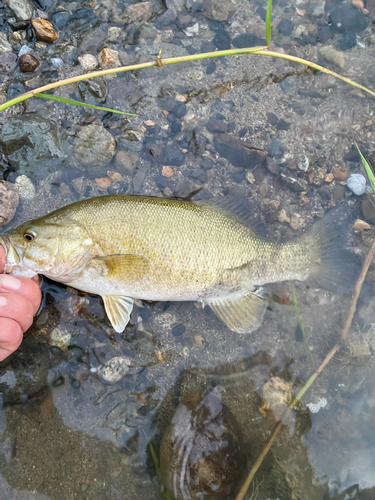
[268, 22]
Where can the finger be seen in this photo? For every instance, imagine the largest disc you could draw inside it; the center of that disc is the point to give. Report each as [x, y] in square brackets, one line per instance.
[25, 287]
[16, 307]
[11, 337]
[2, 258]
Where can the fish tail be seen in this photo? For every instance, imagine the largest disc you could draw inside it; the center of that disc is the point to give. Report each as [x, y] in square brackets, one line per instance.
[332, 265]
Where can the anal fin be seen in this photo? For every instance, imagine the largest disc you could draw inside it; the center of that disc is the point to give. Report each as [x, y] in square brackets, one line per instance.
[118, 310]
[241, 313]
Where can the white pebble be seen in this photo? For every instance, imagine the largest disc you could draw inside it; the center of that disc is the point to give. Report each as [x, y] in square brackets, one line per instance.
[26, 188]
[357, 184]
[114, 369]
[57, 62]
[24, 50]
[88, 62]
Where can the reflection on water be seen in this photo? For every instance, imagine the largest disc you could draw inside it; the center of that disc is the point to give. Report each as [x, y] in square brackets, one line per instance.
[182, 378]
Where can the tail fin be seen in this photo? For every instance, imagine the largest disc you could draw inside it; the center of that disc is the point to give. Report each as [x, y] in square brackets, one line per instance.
[333, 267]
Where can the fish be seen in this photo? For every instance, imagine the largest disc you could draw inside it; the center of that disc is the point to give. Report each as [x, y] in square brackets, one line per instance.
[129, 247]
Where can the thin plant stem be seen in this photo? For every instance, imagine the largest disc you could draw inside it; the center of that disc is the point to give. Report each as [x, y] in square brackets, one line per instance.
[268, 22]
[172, 60]
[300, 323]
[368, 169]
[344, 334]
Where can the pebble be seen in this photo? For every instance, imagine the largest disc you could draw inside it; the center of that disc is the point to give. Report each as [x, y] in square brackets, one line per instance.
[24, 50]
[5, 46]
[167, 171]
[275, 148]
[138, 12]
[331, 55]
[28, 63]
[115, 176]
[114, 369]
[277, 395]
[44, 30]
[103, 182]
[57, 62]
[109, 57]
[23, 9]
[113, 33]
[60, 337]
[285, 27]
[361, 225]
[25, 188]
[357, 184]
[9, 200]
[88, 62]
[303, 163]
[340, 174]
[94, 146]
[236, 152]
[140, 176]
[219, 11]
[297, 222]
[173, 155]
[126, 161]
[283, 216]
[247, 40]
[345, 18]
[216, 126]
[8, 62]
[368, 207]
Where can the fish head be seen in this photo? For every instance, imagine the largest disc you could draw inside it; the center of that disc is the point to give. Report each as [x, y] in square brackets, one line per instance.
[55, 248]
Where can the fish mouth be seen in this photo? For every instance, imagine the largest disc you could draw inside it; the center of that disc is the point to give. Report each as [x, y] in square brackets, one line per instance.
[12, 257]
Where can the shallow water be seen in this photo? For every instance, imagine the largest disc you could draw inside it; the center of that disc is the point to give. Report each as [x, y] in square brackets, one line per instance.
[65, 432]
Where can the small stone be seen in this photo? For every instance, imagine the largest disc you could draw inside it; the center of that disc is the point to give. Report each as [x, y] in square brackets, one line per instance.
[368, 123]
[250, 177]
[60, 337]
[368, 207]
[219, 11]
[94, 146]
[113, 33]
[140, 176]
[126, 161]
[357, 184]
[329, 178]
[115, 176]
[24, 50]
[297, 222]
[283, 216]
[28, 63]
[216, 126]
[340, 174]
[23, 9]
[25, 188]
[44, 30]
[114, 369]
[331, 55]
[138, 12]
[270, 209]
[303, 163]
[277, 395]
[295, 183]
[345, 18]
[285, 27]
[103, 182]
[167, 171]
[8, 62]
[109, 57]
[57, 62]
[247, 40]
[173, 155]
[149, 123]
[17, 36]
[361, 225]
[5, 46]
[88, 62]
[275, 148]
[9, 200]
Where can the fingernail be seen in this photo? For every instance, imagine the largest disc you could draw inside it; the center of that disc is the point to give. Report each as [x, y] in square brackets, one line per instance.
[9, 282]
[3, 301]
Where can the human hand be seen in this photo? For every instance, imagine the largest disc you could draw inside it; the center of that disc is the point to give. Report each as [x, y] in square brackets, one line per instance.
[19, 301]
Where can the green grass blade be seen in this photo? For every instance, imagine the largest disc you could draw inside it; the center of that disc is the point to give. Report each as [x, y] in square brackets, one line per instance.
[78, 103]
[299, 318]
[369, 172]
[268, 22]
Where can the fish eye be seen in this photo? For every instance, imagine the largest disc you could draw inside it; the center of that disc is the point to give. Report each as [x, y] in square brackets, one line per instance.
[29, 236]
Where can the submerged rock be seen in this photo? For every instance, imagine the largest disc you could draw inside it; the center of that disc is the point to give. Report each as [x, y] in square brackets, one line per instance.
[114, 369]
[28, 63]
[44, 30]
[5, 46]
[23, 9]
[33, 144]
[9, 200]
[201, 452]
[357, 184]
[94, 146]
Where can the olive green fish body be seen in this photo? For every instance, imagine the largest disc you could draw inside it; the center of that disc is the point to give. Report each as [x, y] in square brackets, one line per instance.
[133, 247]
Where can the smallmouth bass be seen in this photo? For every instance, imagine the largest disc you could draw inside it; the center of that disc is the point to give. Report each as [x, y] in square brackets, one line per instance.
[124, 247]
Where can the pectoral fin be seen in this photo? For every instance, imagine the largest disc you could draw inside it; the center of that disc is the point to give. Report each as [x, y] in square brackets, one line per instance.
[118, 310]
[241, 313]
[124, 268]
